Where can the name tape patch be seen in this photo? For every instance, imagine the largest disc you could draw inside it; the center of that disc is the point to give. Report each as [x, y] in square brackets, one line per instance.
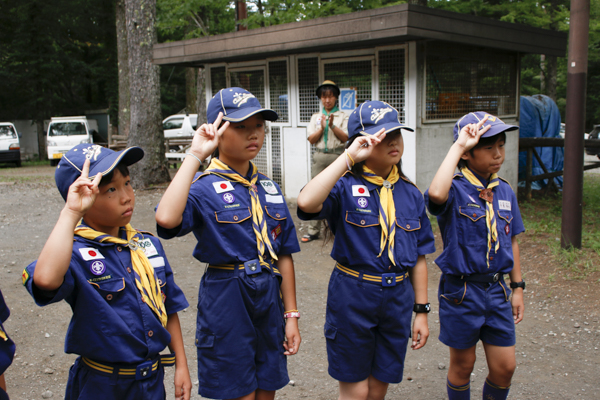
[274, 199]
[504, 205]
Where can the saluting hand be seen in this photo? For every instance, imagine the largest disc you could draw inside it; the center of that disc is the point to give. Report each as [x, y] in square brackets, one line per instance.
[363, 146]
[83, 192]
[206, 139]
[470, 134]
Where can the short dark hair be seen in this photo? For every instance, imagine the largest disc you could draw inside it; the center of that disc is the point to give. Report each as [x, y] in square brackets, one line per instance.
[327, 89]
[486, 141]
[121, 167]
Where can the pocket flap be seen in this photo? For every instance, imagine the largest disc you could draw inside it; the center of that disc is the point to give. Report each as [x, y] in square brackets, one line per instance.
[109, 287]
[277, 213]
[473, 213]
[233, 216]
[330, 331]
[361, 219]
[408, 224]
[505, 215]
[205, 340]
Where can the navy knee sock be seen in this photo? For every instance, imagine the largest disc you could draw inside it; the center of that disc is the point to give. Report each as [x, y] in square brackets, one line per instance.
[458, 392]
[492, 391]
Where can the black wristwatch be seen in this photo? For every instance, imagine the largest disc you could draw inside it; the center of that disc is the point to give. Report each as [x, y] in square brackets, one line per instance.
[514, 285]
[422, 308]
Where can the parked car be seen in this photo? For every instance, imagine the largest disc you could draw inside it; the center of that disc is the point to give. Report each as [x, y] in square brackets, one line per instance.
[594, 135]
[180, 125]
[67, 132]
[10, 147]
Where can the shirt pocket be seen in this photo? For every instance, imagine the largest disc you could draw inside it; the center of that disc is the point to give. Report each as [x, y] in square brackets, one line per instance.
[405, 240]
[232, 216]
[472, 226]
[116, 314]
[505, 218]
[363, 233]
[276, 219]
[230, 227]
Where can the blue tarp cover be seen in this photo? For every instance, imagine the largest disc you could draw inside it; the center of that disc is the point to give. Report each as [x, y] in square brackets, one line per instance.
[539, 117]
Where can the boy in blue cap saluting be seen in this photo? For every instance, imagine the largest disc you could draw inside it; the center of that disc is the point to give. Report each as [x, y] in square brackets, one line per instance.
[382, 234]
[116, 279]
[479, 219]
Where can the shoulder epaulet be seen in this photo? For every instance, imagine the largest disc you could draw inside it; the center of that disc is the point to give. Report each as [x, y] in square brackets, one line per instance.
[504, 180]
[145, 232]
[260, 173]
[405, 179]
[347, 172]
[200, 176]
[457, 175]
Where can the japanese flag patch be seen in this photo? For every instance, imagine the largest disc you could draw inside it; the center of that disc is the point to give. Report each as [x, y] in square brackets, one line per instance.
[89, 253]
[223, 186]
[360, 191]
[148, 247]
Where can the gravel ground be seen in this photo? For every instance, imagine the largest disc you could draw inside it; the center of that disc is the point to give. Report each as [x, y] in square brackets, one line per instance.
[557, 343]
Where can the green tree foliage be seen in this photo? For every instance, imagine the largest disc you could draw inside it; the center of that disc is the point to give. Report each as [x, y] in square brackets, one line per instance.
[56, 58]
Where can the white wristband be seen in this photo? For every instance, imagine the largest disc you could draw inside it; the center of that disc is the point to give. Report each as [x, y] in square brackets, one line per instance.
[196, 157]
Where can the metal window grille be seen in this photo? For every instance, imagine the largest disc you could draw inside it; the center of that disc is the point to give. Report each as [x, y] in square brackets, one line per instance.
[262, 158]
[251, 80]
[355, 74]
[276, 156]
[308, 80]
[218, 79]
[278, 89]
[391, 79]
[461, 79]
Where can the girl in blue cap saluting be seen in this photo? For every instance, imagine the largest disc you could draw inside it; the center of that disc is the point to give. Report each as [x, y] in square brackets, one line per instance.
[246, 235]
[382, 234]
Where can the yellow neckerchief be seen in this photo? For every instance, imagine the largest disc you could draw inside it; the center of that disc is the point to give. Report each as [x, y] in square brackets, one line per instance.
[490, 217]
[387, 209]
[3, 335]
[259, 225]
[145, 280]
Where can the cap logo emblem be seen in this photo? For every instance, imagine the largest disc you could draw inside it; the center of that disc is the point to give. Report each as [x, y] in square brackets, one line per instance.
[92, 152]
[241, 98]
[378, 113]
[491, 118]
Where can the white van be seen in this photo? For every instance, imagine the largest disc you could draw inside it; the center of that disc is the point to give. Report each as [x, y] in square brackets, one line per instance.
[10, 147]
[180, 125]
[67, 132]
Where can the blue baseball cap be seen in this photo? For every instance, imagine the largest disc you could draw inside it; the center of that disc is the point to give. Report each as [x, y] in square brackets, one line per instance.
[497, 126]
[102, 160]
[236, 104]
[373, 115]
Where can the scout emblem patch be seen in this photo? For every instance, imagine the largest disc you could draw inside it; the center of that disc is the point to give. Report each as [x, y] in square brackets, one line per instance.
[228, 198]
[89, 253]
[97, 267]
[362, 202]
[276, 232]
[25, 276]
[148, 247]
[269, 187]
[223, 186]
[360, 190]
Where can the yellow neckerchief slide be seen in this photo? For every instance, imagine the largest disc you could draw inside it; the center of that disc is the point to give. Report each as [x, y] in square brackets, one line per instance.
[387, 209]
[490, 218]
[259, 225]
[145, 280]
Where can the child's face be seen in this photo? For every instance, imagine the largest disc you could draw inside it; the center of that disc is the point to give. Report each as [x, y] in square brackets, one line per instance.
[113, 207]
[242, 141]
[486, 160]
[387, 153]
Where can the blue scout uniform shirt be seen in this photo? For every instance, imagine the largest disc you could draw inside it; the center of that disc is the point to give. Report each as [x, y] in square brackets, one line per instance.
[7, 346]
[464, 231]
[218, 211]
[110, 321]
[352, 212]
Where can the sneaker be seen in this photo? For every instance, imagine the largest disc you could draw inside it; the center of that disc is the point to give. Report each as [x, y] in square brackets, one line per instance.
[308, 238]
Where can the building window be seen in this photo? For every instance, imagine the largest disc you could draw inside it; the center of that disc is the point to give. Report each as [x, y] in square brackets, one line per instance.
[352, 74]
[278, 89]
[308, 80]
[217, 79]
[461, 79]
[391, 79]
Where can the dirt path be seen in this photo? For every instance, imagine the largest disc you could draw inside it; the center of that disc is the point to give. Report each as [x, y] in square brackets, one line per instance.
[557, 343]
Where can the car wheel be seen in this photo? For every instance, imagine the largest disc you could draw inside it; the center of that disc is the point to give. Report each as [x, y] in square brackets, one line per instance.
[54, 163]
[18, 163]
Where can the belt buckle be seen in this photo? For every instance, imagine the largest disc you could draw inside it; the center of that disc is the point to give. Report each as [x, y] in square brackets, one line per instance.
[143, 371]
[252, 267]
[388, 279]
[496, 277]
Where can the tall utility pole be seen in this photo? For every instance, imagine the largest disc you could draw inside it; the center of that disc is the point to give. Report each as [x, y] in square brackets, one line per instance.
[572, 208]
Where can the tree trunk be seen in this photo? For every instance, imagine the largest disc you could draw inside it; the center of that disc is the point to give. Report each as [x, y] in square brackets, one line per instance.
[551, 72]
[190, 90]
[201, 97]
[41, 137]
[123, 65]
[145, 129]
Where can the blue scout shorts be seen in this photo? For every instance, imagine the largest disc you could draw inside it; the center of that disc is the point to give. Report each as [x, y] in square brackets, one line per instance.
[87, 383]
[473, 311]
[239, 334]
[367, 328]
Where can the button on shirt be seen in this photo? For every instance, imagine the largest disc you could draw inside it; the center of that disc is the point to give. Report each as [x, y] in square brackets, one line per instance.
[218, 211]
[352, 212]
[464, 231]
[110, 321]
